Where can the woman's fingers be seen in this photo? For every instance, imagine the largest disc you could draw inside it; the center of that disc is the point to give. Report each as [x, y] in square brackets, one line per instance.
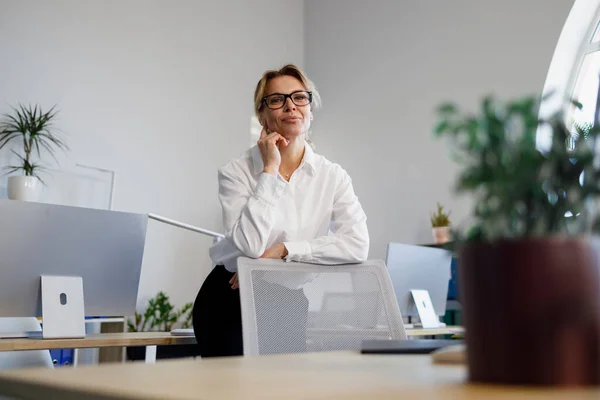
[274, 138]
[271, 137]
[263, 133]
[269, 150]
[234, 281]
[284, 141]
[266, 135]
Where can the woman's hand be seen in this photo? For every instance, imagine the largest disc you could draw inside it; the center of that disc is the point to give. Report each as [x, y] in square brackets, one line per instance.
[268, 145]
[278, 251]
[234, 281]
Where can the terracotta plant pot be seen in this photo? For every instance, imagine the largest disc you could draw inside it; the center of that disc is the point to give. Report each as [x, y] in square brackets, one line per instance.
[532, 311]
[441, 234]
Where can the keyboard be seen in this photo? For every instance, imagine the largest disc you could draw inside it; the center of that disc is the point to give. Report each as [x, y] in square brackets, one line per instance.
[182, 332]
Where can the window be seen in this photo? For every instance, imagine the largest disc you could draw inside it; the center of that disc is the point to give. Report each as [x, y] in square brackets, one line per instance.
[574, 70]
[596, 37]
[585, 89]
[574, 73]
[584, 83]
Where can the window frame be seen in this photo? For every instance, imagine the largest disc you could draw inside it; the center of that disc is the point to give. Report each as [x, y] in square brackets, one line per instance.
[574, 43]
[587, 47]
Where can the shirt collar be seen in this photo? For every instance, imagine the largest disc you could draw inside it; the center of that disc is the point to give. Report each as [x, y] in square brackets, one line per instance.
[307, 161]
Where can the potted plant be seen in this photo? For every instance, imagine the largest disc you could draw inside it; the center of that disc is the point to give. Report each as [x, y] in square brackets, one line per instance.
[33, 129]
[440, 225]
[529, 279]
[161, 316]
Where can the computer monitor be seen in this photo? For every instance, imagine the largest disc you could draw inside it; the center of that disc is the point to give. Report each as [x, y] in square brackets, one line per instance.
[419, 267]
[103, 247]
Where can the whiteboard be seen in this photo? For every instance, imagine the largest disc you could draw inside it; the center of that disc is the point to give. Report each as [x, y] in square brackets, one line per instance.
[79, 186]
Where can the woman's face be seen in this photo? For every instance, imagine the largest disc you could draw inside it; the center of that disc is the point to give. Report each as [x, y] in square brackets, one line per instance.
[290, 120]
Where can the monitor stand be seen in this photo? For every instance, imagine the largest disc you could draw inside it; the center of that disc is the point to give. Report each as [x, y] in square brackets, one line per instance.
[63, 313]
[427, 315]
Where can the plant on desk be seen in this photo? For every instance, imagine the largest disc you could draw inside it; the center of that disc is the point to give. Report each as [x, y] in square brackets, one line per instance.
[529, 280]
[440, 225]
[34, 130]
[161, 315]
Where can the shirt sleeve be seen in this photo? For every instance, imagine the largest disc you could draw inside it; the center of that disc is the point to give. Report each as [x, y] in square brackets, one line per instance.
[350, 239]
[248, 215]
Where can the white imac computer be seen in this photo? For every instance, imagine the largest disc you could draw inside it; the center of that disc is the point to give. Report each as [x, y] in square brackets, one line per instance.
[99, 251]
[421, 268]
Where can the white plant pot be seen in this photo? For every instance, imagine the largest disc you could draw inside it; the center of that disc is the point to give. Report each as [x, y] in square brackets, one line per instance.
[441, 234]
[24, 188]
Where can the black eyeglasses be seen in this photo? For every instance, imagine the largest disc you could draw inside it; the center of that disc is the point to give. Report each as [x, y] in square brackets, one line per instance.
[300, 98]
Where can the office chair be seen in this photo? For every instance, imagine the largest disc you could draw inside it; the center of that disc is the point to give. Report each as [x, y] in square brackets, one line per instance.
[346, 304]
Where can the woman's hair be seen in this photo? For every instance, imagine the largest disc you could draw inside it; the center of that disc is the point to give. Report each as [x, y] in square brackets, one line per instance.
[286, 70]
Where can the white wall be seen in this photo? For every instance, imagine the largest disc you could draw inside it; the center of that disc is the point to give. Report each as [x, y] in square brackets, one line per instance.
[159, 91]
[383, 66]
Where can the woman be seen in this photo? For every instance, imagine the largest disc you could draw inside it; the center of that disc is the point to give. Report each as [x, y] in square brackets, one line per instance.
[279, 200]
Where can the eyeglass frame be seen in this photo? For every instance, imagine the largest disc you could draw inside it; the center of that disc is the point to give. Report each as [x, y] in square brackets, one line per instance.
[288, 96]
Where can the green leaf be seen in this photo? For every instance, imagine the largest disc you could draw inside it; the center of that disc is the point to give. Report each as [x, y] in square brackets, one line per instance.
[577, 104]
[441, 127]
[33, 128]
[447, 108]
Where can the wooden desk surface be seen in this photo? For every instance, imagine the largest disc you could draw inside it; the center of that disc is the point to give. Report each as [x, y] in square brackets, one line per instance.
[144, 339]
[347, 375]
[410, 332]
[97, 340]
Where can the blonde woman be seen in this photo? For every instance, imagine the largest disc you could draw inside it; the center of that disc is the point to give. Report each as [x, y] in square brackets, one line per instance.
[279, 200]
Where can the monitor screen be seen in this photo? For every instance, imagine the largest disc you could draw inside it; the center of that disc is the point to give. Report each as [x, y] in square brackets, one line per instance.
[419, 267]
[105, 248]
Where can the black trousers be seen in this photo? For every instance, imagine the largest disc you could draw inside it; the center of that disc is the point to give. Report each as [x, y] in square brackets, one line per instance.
[217, 317]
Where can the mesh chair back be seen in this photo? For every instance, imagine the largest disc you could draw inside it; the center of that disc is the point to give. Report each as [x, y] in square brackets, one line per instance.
[290, 307]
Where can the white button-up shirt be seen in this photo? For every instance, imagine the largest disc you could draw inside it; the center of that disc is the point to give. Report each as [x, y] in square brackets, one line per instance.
[316, 214]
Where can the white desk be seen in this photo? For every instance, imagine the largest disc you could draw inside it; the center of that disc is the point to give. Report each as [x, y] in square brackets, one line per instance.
[346, 375]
